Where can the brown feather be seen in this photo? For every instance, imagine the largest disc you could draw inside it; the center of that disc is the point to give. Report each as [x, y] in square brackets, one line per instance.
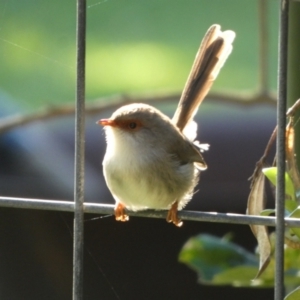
[213, 52]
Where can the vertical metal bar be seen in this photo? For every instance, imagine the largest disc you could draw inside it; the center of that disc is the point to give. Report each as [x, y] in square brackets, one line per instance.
[79, 153]
[281, 122]
[263, 47]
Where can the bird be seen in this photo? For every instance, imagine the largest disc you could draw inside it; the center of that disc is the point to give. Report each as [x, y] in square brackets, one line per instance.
[152, 161]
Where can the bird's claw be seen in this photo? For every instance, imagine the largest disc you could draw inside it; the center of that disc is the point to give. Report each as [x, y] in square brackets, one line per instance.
[172, 215]
[120, 213]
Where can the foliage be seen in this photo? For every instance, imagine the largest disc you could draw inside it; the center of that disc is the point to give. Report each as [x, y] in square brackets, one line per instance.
[219, 261]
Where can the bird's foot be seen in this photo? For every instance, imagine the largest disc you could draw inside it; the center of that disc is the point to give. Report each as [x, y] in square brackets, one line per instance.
[172, 215]
[120, 213]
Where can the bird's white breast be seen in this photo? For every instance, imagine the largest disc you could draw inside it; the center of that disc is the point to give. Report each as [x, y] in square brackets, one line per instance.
[127, 172]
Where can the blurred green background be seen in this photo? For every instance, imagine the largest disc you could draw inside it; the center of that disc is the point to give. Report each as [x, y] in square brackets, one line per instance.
[132, 46]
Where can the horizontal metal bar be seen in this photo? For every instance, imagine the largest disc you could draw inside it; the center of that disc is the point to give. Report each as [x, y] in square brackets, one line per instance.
[68, 206]
[42, 204]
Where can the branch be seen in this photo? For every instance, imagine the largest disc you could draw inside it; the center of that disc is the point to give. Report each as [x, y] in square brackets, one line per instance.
[113, 102]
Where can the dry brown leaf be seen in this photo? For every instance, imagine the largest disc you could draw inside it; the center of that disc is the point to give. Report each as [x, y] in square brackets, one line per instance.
[256, 203]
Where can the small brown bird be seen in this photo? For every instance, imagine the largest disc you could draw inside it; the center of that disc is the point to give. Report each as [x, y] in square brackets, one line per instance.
[151, 161]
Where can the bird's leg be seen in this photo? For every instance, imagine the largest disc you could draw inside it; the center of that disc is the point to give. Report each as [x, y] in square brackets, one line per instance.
[172, 215]
[120, 212]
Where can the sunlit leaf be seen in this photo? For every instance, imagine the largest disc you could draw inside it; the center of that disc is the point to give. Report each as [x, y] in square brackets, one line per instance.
[291, 163]
[271, 174]
[267, 212]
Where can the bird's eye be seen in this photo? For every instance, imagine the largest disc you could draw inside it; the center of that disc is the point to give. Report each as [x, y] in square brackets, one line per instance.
[132, 125]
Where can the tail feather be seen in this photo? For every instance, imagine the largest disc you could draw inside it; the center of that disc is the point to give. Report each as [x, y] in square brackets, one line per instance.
[211, 56]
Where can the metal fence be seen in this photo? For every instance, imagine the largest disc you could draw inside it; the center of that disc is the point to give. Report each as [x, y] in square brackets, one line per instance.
[79, 207]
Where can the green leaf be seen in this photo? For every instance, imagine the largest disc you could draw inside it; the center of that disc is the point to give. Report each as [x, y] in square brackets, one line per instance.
[241, 276]
[294, 295]
[267, 212]
[220, 262]
[296, 214]
[209, 255]
[290, 205]
[271, 174]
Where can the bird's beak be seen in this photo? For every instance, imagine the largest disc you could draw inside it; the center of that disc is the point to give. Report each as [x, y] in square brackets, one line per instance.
[106, 122]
